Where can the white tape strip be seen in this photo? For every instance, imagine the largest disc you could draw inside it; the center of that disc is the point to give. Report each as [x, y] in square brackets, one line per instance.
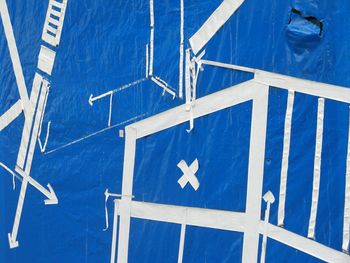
[285, 157]
[269, 199]
[181, 243]
[10, 115]
[161, 83]
[37, 123]
[346, 222]
[54, 22]
[213, 24]
[30, 111]
[11, 42]
[46, 59]
[181, 61]
[110, 110]
[147, 61]
[115, 228]
[151, 47]
[188, 77]
[317, 169]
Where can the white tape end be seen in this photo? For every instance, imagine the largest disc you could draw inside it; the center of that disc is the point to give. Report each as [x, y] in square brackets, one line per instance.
[12, 243]
[90, 100]
[53, 198]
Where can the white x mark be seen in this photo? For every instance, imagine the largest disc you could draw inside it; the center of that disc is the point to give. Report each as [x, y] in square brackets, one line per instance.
[188, 174]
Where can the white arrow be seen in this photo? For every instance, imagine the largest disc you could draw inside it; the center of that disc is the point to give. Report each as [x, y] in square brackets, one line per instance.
[49, 193]
[109, 93]
[269, 199]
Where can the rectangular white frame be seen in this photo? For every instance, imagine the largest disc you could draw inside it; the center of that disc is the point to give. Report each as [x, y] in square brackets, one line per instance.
[248, 222]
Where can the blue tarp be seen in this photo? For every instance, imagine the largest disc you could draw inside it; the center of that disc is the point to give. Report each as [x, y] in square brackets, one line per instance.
[102, 48]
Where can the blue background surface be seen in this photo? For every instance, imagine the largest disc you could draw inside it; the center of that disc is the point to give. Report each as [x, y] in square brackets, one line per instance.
[103, 47]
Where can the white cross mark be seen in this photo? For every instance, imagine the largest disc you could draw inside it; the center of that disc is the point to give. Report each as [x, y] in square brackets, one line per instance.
[188, 174]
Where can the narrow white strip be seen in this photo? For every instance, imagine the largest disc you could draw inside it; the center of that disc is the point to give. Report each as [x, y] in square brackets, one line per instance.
[161, 83]
[10, 115]
[11, 42]
[181, 243]
[285, 157]
[37, 123]
[147, 61]
[181, 60]
[216, 20]
[46, 59]
[43, 147]
[12, 173]
[115, 228]
[151, 52]
[317, 169]
[188, 77]
[12, 237]
[346, 222]
[110, 110]
[269, 199]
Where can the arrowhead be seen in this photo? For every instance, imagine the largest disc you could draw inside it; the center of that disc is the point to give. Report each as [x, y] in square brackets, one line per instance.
[269, 198]
[91, 102]
[53, 198]
[12, 242]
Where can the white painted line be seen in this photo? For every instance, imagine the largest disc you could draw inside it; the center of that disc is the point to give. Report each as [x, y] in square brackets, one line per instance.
[216, 20]
[10, 115]
[11, 42]
[285, 157]
[317, 169]
[346, 221]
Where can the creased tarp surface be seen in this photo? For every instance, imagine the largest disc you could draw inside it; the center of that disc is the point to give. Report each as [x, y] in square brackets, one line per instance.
[103, 47]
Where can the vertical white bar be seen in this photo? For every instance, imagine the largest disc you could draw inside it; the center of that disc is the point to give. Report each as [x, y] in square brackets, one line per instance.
[181, 61]
[255, 173]
[182, 243]
[115, 228]
[346, 222]
[110, 109]
[317, 169]
[151, 47]
[128, 174]
[264, 242]
[285, 157]
[188, 77]
[147, 59]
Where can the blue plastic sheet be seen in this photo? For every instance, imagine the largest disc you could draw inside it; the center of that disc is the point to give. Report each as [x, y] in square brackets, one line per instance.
[102, 48]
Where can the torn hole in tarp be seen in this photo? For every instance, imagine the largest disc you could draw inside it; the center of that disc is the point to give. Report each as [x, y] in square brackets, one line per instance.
[303, 32]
